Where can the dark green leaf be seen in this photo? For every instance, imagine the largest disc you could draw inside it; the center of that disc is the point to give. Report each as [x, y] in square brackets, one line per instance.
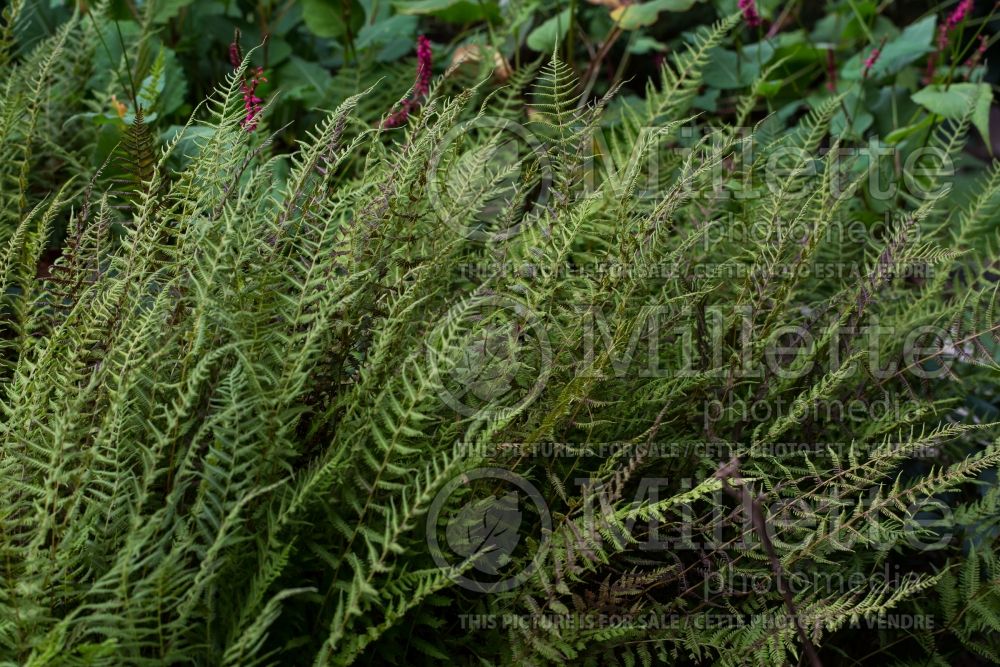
[453, 11]
[729, 69]
[333, 18]
[633, 17]
[544, 38]
[914, 42]
[956, 100]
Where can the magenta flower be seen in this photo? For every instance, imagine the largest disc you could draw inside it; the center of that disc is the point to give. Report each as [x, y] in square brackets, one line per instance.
[421, 87]
[872, 59]
[750, 14]
[870, 62]
[977, 57]
[959, 14]
[252, 104]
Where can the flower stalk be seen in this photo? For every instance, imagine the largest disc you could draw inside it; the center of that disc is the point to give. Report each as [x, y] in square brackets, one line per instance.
[421, 86]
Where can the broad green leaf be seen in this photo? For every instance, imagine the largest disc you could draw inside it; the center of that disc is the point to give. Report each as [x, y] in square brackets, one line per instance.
[709, 100]
[902, 133]
[729, 69]
[633, 17]
[331, 18]
[175, 85]
[189, 143]
[912, 44]
[168, 9]
[956, 100]
[893, 108]
[395, 35]
[152, 86]
[278, 48]
[304, 80]
[860, 121]
[545, 37]
[853, 117]
[771, 88]
[915, 42]
[453, 11]
[645, 44]
[322, 18]
[398, 27]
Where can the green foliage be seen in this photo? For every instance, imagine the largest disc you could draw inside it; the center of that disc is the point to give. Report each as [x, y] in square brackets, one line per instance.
[254, 383]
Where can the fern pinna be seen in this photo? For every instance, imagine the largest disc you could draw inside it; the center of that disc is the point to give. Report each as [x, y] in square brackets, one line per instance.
[231, 413]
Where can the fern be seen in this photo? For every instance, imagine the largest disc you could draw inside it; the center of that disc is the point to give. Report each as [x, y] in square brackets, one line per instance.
[238, 414]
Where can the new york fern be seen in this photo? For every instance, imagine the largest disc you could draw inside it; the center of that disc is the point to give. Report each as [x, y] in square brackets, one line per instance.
[233, 404]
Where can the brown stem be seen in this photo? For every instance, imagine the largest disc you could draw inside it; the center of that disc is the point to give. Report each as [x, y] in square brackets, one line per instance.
[595, 64]
[731, 471]
[780, 22]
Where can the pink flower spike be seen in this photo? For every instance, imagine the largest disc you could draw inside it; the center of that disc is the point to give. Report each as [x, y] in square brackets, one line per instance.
[977, 57]
[423, 83]
[872, 59]
[942, 40]
[750, 14]
[399, 117]
[252, 104]
[421, 86]
[959, 14]
[831, 70]
[869, 63]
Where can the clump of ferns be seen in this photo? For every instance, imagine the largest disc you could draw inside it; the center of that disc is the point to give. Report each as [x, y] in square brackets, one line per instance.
[225, 431]
[43, 87]
[581, 548]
